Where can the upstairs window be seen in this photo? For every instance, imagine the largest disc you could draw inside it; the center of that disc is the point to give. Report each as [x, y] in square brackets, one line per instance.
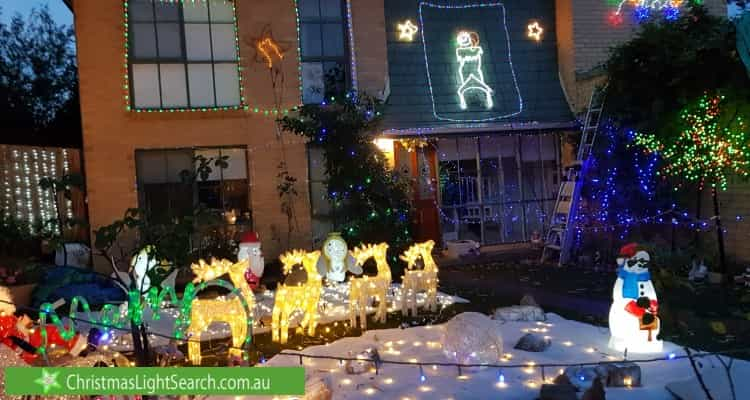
[324, 50]
[183, 54]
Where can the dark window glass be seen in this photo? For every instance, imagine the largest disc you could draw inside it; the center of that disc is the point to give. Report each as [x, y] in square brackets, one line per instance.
[198, 38]
[324, 49]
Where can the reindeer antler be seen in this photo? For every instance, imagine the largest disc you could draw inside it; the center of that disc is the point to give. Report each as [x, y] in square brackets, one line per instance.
[205, 272]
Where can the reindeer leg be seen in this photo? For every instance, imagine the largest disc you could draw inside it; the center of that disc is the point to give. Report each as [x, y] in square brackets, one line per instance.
[275, 327]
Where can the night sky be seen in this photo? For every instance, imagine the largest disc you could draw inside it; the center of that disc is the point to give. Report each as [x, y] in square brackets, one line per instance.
[59, 11]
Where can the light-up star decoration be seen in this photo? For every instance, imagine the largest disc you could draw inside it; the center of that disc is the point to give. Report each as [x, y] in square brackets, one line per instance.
[407, 30]
[535, 31]
[469, 55]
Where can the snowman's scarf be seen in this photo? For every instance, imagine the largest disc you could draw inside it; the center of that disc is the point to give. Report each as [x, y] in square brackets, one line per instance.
[630, 282]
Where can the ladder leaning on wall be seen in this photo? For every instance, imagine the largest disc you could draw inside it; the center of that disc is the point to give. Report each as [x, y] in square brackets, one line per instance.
[562, 224]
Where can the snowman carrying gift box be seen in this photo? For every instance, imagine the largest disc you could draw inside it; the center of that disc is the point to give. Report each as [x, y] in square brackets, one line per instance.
[633, 321]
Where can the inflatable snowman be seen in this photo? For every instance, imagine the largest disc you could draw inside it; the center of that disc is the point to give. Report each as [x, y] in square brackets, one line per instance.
[250, 250]
[633, 321]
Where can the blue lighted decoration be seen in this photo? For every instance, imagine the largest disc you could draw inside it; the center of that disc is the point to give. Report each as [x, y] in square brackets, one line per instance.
[642, 10]
[469, 66]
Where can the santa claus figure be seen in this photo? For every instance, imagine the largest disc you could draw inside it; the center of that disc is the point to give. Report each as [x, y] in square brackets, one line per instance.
[18, 333]
[250, 250]
[633, 321]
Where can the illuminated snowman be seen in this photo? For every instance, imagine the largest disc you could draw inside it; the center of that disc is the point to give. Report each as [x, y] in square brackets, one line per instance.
[336, 259]
[633, 321]
[250, 250]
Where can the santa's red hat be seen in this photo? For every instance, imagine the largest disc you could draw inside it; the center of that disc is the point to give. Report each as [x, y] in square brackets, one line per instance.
[250, 237]
[629, 250]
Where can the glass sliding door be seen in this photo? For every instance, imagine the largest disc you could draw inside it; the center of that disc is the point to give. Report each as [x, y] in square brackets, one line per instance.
[497, 189]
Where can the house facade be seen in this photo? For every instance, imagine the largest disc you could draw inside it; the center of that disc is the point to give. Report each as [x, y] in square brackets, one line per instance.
[478, 97]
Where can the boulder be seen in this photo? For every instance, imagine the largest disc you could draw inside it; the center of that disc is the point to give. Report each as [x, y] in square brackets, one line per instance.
[472, 338]
[613, 375]
[528, 300]
[558, 392]
[532, 342]
[621, 374]
[595, 392]
[366, 361]
[519, 313]
[318, 388]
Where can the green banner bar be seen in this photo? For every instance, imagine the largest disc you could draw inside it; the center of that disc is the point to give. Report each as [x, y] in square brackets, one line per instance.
[289, 381]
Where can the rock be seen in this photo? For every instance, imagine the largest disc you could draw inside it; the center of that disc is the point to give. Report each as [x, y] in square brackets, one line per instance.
[318, 388]
[558, 392]
[528, 300]
[472, 338]
[595, 392]
[562, 380]
[532, 342]
[581, 377]
[367, 360]
[614, 375]
[520, 313]
[620, 374]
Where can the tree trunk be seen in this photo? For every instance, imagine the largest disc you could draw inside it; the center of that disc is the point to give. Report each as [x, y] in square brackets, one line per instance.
[698, 206]
[140, 344]
[719, 232]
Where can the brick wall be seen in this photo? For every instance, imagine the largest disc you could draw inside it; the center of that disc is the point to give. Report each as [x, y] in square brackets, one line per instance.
[111, 134]
[368, 20]
[585, 36]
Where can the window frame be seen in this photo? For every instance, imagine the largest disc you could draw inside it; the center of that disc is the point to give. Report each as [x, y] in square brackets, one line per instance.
[130, 60]
[344, 60]
[195, 186]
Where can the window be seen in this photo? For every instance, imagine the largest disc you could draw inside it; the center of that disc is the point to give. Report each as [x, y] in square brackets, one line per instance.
[324, 50]
[166, 190]
[499, 188]
[182, 54]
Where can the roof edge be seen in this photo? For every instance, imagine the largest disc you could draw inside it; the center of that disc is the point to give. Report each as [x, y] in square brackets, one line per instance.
[518, 127]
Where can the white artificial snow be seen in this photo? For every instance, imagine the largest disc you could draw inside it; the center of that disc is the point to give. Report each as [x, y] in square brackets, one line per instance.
[572, 342]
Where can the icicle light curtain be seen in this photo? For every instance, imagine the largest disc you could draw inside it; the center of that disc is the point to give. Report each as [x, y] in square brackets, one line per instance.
[21, 168]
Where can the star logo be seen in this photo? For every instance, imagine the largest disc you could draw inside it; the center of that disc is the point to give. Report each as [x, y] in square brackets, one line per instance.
[535, 31]
[407, 30]
[48, 380]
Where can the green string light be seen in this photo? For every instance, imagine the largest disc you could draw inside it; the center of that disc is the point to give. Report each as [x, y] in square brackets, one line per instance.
[706, 150]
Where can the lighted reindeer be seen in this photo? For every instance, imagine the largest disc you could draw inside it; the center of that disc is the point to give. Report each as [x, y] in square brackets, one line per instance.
[204, 312]
[416, 280]
[363, 288]
[302, 296]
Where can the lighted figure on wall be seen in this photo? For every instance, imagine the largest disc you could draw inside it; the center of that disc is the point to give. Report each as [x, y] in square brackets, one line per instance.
[364, 288]
[416, 280]
[633, 321]
[292, 296]
[204, 312]
[250, 250]
[336, 259]
[407, 30]
[469, 54]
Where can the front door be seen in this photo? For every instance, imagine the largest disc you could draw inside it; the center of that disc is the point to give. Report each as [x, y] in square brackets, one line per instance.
[420, 162]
